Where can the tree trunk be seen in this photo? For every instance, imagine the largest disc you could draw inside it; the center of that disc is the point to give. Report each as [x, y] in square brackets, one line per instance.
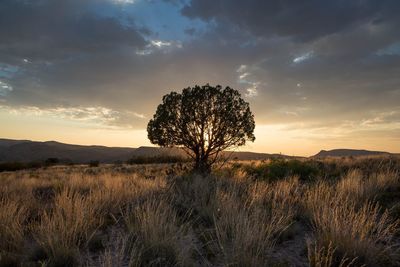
[202, 166]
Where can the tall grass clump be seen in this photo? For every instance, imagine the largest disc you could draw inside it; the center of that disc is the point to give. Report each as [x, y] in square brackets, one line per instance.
[246, 233]
[320, 256]
[360, 188]
[158, 236]
[115, 254]
[194, 195]
[283, 194]
[67, 227]
[362, 231]
[12, 219]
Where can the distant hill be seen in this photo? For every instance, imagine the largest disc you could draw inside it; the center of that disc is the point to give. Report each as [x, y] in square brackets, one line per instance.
[24, 151]
[348, 153]
[28, 151]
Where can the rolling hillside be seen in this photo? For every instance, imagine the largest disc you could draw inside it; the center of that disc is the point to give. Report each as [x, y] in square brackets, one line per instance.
[27, 151]
[348, 153]
[13, 150]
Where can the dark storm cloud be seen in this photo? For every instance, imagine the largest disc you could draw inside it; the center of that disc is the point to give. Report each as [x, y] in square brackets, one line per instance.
[315, 59]
[57, 29]
[301, 20]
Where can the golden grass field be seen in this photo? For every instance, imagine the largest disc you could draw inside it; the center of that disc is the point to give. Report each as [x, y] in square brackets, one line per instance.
[158, 215]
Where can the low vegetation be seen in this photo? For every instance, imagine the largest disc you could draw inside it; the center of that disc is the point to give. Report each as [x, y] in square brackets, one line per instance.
[156, 159]
[342, 212]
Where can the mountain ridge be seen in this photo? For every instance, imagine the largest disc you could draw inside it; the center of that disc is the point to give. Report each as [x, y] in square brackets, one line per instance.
[28, 151]
[347, 152]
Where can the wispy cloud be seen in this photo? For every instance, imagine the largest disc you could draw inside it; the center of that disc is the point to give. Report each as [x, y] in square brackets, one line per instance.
[5, 88]
[303, 57]
[97, 116]
[244, 77]
[159, 46]
[124, 1]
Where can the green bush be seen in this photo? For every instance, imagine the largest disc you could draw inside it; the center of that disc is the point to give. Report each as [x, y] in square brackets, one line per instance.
[94, 163]
[278, 169]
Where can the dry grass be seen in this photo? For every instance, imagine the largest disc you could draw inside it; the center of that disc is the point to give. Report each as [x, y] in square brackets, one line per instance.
[144, 216]
[246, 233]
[159, 237]
[12, 217]
[358, 230]
[320, 256]
[67, 226]
[359, 188]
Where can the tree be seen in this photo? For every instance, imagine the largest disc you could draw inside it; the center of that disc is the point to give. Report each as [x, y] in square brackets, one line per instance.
[203, 121]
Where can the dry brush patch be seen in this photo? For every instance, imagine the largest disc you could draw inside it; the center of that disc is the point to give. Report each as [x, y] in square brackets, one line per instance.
[146, 216]
[246, 234]
[341, 216]
[158, 236]
[324, 256]
[67, 226]
[12, 218]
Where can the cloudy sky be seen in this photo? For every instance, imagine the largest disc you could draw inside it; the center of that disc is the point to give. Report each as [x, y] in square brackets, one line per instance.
[317, 74]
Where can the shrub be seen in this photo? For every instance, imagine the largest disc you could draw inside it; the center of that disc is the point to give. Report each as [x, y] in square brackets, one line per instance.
[280, 168]
[94, 163]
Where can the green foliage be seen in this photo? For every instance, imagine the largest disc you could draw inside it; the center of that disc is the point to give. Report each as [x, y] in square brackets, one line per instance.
[280, 168]
[203, 120]
[309, 169]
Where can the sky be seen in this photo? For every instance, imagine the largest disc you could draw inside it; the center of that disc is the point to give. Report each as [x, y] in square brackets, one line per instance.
[317, 74]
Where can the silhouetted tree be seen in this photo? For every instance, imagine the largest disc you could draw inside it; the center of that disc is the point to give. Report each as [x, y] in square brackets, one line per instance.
[203, 121]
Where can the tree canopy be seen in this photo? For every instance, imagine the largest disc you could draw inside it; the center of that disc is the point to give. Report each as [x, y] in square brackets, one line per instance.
[204, 121]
